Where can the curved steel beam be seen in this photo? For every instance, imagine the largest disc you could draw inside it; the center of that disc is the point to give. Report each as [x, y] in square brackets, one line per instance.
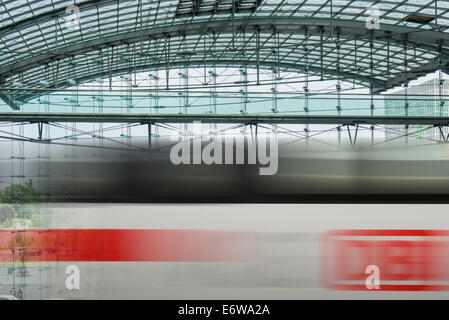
[29, 94]
[227, 63]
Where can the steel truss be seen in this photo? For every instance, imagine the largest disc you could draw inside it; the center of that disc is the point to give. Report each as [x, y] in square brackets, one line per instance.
[429, 49]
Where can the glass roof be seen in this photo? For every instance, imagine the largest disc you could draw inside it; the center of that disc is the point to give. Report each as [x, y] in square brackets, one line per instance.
[42, 48]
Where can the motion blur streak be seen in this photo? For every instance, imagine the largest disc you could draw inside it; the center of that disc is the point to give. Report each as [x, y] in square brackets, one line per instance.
[230, 251]
[313, 173]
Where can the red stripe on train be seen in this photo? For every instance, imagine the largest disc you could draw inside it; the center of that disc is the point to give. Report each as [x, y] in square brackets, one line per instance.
[120, 245]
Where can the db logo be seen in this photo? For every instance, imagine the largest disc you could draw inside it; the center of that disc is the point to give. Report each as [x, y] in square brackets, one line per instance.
[389, 260]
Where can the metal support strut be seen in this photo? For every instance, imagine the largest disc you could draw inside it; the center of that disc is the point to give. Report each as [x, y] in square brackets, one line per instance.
[39, 128]
[149, 135]
[443, 135]
[353, 141]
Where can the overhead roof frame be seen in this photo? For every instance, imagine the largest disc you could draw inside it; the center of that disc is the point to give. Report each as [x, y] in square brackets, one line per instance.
[27, 44]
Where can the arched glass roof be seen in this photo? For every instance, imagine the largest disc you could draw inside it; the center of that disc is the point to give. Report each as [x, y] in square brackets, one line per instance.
[42, 48]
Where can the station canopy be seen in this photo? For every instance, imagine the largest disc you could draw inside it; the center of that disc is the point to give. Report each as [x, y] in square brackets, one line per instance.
[41, 47]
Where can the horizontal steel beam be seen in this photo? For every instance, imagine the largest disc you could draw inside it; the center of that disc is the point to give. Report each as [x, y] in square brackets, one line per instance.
[219, 118]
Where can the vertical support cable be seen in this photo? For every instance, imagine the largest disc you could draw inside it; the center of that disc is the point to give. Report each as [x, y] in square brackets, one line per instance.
[233, 30]
[372, 81]
[213, 83]
[204, 59]
[440, 78]
[274, 73]
[306, 86]
[321, 52]
[258, 54]
[338, 86]
[154, 92]
[167, 67]
[371, 73]
[243, 79]
[436, 16]
[110, 64]
[388, 53]
[406, 105]
[332, 20]
[355, 61]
